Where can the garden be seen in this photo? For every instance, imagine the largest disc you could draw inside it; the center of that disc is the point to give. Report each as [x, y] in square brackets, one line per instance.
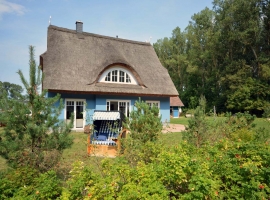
[221, 158]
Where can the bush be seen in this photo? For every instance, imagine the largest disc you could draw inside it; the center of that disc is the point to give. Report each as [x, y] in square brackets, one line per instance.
[266, 113]
[226, 169]
[27, 183]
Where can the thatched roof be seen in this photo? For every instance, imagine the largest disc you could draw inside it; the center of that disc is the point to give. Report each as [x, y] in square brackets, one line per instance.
[176, 101]
[74, 61]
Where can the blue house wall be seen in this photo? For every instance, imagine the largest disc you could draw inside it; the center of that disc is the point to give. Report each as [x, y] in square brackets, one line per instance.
[98, 102]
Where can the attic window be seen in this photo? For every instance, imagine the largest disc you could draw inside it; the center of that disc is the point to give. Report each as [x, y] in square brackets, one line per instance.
[118, 75]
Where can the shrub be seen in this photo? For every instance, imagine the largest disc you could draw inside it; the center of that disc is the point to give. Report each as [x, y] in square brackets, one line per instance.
[266, 113]
[27, 183]
[144, 127]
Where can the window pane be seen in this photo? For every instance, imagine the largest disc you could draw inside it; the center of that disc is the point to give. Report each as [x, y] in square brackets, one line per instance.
[127, 109]
[108, 106]
[128, 79]
[122, 76]
[108, 77]
[114, 76]
[69, 110]
[79, 112]
[122, 107]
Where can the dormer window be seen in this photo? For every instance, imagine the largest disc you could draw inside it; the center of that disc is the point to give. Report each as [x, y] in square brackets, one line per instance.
[118, 75]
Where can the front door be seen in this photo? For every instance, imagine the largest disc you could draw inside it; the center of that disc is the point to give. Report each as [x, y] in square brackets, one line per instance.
[75, 107]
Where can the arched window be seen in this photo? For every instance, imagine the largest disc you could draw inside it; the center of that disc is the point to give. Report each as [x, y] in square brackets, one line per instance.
[118, 75]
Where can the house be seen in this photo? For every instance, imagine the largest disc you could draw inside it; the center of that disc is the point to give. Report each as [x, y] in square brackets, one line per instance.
[95, 72]
[175, 106]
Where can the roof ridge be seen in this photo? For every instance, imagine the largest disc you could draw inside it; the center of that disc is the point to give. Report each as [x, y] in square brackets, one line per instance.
[97, 35]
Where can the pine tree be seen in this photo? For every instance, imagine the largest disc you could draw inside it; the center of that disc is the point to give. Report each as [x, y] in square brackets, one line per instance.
[34, 136]
[144, 125]
[144, 122]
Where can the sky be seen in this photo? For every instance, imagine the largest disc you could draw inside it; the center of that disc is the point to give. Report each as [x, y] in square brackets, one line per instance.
[25, 22]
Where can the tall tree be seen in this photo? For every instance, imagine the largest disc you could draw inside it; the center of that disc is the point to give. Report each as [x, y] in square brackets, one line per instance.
[13, 90]
[224, 54]
[245, 64]
[33, 135]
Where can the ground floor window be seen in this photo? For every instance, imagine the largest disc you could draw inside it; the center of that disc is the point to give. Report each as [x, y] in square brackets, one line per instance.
[119, 105]
[75, 107]
[153, 103]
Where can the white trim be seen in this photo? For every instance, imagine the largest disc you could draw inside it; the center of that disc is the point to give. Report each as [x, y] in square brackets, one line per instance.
[132, 78]
[84, 113]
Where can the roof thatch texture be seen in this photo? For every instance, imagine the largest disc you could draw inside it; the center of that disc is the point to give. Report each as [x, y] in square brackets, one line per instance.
[74, 61]
[176, 101]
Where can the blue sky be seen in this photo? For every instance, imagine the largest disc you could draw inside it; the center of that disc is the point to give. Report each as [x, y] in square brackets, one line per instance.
[25, 22]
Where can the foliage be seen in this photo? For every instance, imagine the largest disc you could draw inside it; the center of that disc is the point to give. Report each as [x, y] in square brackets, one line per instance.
[144, 122]
[12, 90]
[117, 180]
[33, 135]
[80, 178]
[231, 167]
[144, 126]
[239, 126]
[266, 113]
[226, 169]
[196, 132]
[27, 183]
[243, 169]
[222, 54]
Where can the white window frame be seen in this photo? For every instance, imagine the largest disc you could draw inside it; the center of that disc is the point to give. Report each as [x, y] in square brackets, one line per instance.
[119, 100]
[84, 114]
[105, 74]
[152, 103]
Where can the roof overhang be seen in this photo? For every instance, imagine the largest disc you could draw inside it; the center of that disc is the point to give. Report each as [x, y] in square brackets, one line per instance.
[110, 93]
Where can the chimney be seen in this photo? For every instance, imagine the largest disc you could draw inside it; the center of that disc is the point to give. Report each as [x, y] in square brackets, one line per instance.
[79, 26]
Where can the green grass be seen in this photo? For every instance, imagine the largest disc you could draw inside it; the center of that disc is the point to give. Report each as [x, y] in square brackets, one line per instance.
[262, 123]
[77, 152]
[184, 120]
[180, 120]
[259, 122]
[171, 139]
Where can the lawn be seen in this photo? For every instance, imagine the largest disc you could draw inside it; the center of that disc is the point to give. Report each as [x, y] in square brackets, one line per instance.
[77, 152]
[171, 139]
[259, 122]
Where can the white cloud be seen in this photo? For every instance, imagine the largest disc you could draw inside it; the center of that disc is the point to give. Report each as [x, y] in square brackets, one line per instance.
[8, 7]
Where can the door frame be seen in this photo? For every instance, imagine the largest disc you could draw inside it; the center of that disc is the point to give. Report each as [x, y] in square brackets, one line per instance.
[84, 113]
